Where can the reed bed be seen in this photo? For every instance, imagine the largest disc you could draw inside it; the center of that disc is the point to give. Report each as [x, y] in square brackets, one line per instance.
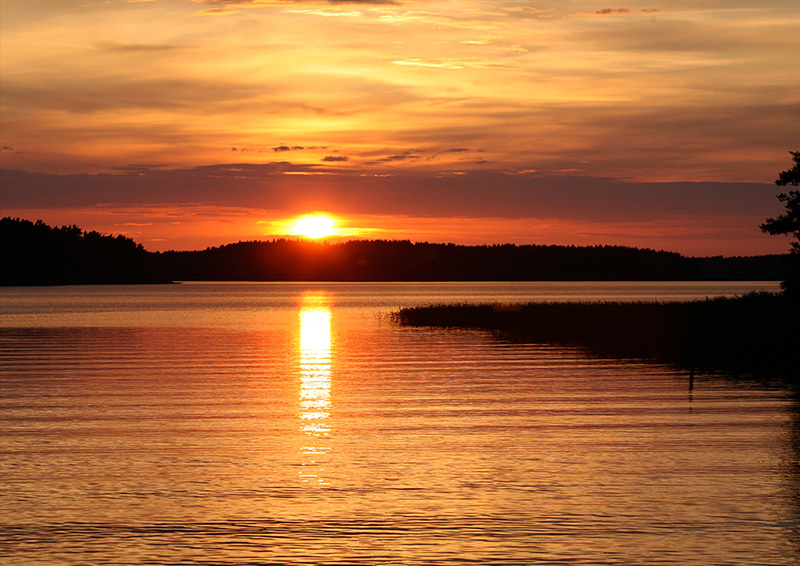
[755, 333]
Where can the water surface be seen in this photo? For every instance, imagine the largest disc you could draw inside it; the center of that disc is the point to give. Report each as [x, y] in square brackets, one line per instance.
[295, 424]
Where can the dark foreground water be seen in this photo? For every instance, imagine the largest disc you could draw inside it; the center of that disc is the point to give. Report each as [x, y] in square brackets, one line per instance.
[295, 424]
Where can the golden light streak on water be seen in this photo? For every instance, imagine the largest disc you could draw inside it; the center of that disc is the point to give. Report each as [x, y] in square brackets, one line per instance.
[315, 384]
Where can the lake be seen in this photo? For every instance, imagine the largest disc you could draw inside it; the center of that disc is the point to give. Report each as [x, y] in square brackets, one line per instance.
[295, 423]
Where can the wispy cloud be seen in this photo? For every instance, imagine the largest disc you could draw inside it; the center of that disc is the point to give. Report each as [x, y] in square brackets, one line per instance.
[137, 47]
[266, 3]
[609, 11]
[217, 12]
[327, 13]
[620, 11]
[453, 64]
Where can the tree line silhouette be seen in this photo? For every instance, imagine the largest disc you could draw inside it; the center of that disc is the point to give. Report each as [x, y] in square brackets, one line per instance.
[34, 253]
[788, 224]
[382, 260]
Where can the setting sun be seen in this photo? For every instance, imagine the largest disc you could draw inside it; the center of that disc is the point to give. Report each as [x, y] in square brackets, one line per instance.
[314, 226]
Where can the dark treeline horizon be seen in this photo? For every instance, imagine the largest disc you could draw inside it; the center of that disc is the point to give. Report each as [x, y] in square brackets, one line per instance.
[34, 253]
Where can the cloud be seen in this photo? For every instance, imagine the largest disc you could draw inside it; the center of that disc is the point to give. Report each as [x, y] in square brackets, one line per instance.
[283, 185]
[700, 95]
[77, 94]
[608, 11]
[326, 13]
[335, 158]
[257, 3]
[137, 47]
[528, 12]
[402, 157]
[451, 63]
[434, 63]
[216, 12]
[619, 11]
[279, 148]
[140, 167]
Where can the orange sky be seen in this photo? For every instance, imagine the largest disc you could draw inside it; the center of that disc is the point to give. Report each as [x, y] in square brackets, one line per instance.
[189, 123]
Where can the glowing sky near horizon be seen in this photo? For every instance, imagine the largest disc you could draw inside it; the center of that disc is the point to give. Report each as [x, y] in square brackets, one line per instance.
[188, 123]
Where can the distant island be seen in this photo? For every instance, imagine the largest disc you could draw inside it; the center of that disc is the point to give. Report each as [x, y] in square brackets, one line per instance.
[34, 253]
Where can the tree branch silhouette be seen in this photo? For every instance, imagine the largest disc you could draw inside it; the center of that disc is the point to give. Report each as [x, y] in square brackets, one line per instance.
[788, 224]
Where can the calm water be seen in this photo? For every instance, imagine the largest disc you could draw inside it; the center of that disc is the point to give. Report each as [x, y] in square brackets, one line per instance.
[295, 424]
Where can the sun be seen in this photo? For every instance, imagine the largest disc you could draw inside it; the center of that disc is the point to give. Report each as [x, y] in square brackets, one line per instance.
[314, 226]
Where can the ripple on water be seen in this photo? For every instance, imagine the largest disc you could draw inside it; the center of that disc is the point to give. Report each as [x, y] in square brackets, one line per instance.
[341, 439]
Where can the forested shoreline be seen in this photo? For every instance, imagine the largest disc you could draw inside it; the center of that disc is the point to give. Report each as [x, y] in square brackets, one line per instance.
[34, 253]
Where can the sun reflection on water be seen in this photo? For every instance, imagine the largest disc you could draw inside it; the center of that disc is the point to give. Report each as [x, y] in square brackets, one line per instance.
[315, 384]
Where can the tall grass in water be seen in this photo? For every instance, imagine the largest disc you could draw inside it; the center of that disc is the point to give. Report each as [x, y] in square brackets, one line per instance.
[755, 333]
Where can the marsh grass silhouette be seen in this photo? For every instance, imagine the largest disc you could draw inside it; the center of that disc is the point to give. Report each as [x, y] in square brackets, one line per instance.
[755, 333]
